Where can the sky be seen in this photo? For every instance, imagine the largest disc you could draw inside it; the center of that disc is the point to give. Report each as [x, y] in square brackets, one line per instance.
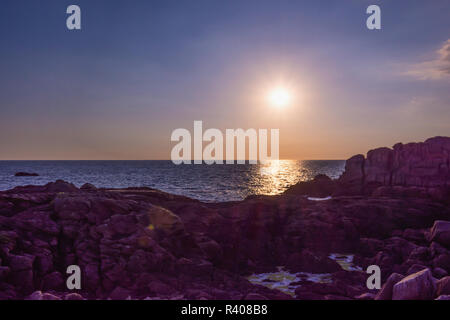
[137, 70]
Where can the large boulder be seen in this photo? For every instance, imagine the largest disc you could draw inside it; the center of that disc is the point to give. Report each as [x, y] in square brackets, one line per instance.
[440, 232]
[320, 186]
[418, 286]
[443, 286]
[352, 179]
[60, 186]
[378, 166]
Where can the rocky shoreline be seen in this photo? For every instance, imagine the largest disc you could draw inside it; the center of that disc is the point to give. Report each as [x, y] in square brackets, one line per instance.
[390, 208]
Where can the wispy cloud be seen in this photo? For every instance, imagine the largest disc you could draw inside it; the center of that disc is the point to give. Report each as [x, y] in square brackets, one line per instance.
[438, 68]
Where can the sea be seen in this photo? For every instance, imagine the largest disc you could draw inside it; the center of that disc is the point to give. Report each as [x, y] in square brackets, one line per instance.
[209, 183]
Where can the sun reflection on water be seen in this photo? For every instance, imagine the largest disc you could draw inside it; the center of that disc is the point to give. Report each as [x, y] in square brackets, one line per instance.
[278, 175]
[210, 183]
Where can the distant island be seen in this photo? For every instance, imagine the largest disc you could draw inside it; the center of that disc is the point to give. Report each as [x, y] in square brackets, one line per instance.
[25, 174]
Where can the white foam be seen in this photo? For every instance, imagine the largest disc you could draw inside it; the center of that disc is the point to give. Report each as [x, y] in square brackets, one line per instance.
[320, 199]
[345, 261]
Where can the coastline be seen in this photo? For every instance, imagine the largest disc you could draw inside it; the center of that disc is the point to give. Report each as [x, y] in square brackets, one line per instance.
[390, 208]
[209, 183]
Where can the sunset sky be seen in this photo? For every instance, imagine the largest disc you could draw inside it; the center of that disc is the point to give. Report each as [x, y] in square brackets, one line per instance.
[140, 69]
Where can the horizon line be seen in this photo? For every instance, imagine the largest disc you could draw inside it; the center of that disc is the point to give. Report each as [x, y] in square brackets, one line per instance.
[224, 160]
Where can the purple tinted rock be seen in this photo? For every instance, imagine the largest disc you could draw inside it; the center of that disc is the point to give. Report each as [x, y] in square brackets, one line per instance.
[418, 286]
[440, 232]
[20, 263]
[386, 291]
[53, 281]
[120, 293]
[443, 286]
[73, 296]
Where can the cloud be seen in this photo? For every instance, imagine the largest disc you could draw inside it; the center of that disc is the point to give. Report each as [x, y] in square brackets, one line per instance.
[438, 68]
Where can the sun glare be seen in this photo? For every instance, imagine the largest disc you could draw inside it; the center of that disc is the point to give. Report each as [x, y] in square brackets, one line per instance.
[280, 97]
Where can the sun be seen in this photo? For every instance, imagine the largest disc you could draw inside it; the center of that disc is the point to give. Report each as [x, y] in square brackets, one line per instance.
[279, 97]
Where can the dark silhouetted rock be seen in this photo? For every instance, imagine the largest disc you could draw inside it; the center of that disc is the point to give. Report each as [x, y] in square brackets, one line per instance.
[378, 166]
[60, 186]
[423, 165]
[26, 174]
[88, 186]
[352, 180]
[320, 186]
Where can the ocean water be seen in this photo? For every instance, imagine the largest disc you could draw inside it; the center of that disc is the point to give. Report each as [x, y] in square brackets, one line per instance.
[210, 183]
